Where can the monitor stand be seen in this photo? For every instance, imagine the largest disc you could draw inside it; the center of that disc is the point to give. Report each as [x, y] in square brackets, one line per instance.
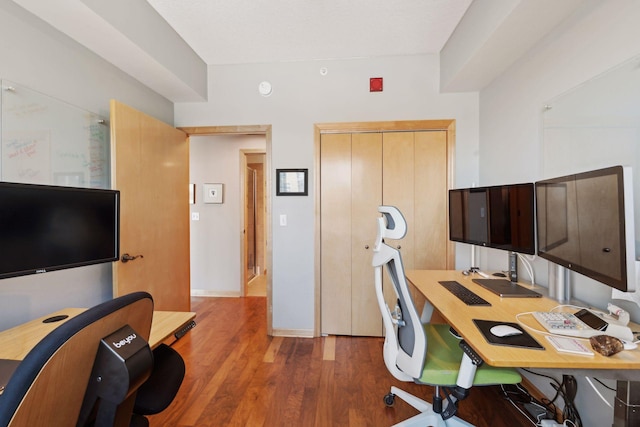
[559, 284]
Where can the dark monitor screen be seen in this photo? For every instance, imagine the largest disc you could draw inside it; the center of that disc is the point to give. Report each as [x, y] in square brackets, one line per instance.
[500, 217]
[44, 228]
[586, 223]
[468, 216]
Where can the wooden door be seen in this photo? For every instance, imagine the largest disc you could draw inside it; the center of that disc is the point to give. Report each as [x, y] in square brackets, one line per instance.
[413, 171]
[351, 191]
[398, 171]
[430, 225]
[150, 167]
[366, 196]
[335, 222]
[415, 181]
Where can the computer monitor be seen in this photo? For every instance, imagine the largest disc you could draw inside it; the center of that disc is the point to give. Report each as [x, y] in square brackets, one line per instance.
[499, 217]
[585, 222]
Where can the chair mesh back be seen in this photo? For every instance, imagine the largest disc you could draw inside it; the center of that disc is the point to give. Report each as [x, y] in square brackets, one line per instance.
[406, 333]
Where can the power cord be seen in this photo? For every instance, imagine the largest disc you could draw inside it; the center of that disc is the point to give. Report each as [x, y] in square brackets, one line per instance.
[567, 390]
[534, 410]
[527, 266]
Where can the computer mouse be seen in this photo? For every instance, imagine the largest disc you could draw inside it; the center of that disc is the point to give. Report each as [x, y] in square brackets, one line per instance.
[503, 331]
[498, 274]
[465, 272]
[629, 345]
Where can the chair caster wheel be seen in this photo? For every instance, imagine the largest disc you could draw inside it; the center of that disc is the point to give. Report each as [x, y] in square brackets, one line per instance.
[389, 399]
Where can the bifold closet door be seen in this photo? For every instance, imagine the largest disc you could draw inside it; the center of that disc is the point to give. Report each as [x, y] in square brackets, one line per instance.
[366, 196]
[359, 172]
[351, 191]
[415, 181]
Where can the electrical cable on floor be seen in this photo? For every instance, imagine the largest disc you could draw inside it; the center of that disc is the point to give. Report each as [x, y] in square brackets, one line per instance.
[524, 413]
[567, 390]
[526, 404]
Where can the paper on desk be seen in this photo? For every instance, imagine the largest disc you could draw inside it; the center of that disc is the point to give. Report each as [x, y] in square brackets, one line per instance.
[627, 296]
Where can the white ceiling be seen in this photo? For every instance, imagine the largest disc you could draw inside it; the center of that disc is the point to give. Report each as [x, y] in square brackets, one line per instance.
[168, 44]
[255, 31]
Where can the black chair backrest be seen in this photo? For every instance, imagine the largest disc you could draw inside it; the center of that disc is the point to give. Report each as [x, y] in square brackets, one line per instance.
[48, 386]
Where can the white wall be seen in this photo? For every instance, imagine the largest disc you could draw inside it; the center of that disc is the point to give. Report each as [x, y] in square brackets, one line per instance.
[599, 36]
[301, 97]
[38, 57]
[215, 237]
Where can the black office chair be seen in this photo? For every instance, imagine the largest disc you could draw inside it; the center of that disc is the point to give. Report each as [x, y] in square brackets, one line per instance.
[55, 384]
[424, 353]
[157, 393]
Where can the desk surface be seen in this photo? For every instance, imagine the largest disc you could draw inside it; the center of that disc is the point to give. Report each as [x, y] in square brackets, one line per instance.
[16, 342]
[460, 317]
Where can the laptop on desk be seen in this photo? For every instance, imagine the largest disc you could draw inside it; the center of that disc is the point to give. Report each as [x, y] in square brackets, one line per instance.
[506, 289]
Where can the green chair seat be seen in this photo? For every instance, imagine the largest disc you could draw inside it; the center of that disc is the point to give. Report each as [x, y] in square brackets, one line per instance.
[443, 358]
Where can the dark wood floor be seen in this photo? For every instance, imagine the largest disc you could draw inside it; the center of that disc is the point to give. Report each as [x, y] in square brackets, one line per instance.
[239, 376]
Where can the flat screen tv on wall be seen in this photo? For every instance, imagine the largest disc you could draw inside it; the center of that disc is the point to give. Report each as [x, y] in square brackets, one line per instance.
[45, 228]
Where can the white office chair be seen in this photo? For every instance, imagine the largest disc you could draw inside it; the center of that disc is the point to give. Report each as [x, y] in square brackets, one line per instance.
[424, 353]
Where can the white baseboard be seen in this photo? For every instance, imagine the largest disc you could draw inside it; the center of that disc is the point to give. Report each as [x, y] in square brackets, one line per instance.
[293, 333]
[210, 293]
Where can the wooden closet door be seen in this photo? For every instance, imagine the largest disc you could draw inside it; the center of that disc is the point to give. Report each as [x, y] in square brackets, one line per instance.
[415, 181]
[366, 196]
[351, 191]
[398, 171]
[359, 172]
[431, 200]
[335, 236]
[398, 190]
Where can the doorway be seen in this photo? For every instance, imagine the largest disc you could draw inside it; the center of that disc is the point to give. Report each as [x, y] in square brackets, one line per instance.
[265, 131]
[254, 222]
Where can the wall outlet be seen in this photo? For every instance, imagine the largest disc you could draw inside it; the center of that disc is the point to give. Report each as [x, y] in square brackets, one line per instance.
[195, 216]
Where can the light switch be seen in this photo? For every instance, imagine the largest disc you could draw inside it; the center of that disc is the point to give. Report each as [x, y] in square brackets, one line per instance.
[283, 220]
[195, 216]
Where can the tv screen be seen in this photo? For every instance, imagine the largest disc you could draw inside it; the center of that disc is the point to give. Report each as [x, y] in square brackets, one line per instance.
[500, 217]
[44, 228]
[586, 224]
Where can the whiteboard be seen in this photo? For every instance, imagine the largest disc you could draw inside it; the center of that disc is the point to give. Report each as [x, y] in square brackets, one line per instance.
[47, 141]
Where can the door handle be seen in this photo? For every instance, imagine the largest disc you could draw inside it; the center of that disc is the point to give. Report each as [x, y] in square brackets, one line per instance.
[127, 257]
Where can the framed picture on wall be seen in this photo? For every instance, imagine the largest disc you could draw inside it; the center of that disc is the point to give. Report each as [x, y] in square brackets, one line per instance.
[212, 193]
[291, 182]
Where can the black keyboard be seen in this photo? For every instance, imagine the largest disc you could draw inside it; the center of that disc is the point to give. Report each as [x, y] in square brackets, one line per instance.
[464, 294]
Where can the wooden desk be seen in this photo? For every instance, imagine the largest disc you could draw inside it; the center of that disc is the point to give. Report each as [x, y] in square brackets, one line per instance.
[623, 366]
[16, 342]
